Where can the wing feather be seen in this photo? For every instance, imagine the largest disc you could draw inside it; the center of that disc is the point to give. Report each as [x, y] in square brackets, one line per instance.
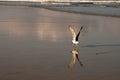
[79, 33]
[72, 61]
[73, 33]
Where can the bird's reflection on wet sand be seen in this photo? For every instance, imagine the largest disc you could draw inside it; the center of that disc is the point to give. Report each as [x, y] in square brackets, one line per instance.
[75, 56]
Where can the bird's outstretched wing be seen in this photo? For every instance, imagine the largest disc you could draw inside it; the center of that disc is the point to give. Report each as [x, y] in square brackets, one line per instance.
[79, 60]
[72, 61]
[73, 32]
[79, 33]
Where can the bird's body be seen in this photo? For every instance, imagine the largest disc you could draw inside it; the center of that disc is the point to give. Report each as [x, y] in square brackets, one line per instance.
[75, 37]
[75, 42]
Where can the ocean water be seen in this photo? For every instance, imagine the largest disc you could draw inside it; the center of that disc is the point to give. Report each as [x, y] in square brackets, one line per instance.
[35, 44]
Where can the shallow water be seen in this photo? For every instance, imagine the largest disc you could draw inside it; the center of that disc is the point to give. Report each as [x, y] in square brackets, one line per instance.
[35, 44]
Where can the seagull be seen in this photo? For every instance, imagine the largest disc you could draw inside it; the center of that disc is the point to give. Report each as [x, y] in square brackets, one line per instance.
[74, 57]
[75, 37]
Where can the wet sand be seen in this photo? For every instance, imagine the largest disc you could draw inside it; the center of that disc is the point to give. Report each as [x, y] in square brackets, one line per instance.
[35, 44]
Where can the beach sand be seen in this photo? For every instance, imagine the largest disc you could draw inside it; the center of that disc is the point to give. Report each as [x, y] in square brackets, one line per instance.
[35, 44]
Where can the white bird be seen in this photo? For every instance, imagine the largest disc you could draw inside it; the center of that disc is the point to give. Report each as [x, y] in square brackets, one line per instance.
[75, 37]
[74, 57]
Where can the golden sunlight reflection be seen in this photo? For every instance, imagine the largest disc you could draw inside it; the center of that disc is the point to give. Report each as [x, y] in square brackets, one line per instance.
[45, 32]
[13, 30]
[52, 32]
[42, 34]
